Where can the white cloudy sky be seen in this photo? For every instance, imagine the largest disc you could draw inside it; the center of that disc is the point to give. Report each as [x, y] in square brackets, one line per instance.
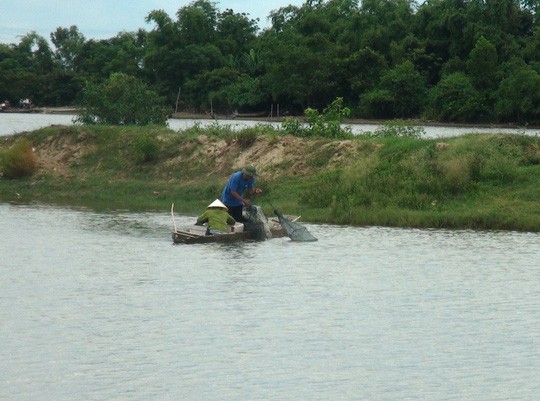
[102, 19]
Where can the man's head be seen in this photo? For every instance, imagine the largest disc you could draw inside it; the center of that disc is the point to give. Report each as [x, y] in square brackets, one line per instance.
[249, 171]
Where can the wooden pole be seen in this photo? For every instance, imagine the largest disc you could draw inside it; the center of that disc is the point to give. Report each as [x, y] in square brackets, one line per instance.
[172, 214]
[177, 98]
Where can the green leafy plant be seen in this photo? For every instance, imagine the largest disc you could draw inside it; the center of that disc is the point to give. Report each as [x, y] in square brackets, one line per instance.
[146, 149]
[246, 137]
[122, 100]
[327, 124]
[292, 126]
[398, 128]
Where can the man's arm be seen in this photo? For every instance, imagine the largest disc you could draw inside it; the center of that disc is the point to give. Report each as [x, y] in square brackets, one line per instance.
[239, 197]
[250, 191]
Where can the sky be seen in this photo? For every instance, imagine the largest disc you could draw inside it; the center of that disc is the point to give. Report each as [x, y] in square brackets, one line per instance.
[103, 19]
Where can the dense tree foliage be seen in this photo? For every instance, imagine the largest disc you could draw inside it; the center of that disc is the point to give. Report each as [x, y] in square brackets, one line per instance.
[122, 100]
[450, 60]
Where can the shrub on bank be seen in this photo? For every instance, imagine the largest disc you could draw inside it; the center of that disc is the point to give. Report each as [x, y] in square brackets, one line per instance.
[326, 125]
[146, 149]
[429, 183]
[18, 161]
[398, 128]
[122, 100]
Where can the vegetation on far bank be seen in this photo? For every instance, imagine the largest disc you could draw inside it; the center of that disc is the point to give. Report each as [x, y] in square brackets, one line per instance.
[453, 61]
[390, 178]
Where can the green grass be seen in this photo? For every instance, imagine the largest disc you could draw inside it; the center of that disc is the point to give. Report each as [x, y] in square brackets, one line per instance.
[472, 181]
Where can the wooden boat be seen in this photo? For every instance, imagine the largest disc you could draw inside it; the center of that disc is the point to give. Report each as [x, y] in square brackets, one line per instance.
[196, 234]
[250, 115]
[17, 110]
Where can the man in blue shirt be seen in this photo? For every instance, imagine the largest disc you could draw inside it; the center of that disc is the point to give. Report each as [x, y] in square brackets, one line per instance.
[233, 193]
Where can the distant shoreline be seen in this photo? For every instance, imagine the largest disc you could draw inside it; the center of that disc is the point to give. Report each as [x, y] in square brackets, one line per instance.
[195, 116]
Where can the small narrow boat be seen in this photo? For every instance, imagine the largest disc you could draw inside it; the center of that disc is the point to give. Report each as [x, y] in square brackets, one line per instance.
[197, 234]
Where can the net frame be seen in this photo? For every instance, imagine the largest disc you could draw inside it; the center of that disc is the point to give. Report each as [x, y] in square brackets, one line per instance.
[295, 231]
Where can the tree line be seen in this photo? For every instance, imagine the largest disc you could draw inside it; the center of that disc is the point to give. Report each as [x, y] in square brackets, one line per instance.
[444, 60]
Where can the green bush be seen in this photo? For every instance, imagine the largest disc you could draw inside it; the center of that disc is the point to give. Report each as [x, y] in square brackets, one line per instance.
[246, 137]
[326, 125]
[146, 149]
[18, 161]
[455, 98]
[122, 100]
[398, 128]
[293, 127]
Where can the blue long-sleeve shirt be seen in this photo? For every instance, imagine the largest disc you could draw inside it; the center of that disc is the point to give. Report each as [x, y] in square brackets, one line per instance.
[238, 184]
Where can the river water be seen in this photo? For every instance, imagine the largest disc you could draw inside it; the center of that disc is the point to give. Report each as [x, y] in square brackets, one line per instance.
[11, 123]
[102, 306]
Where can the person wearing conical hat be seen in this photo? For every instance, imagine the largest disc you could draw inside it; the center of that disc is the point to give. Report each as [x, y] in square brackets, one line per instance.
[238, 185]
[217, 217]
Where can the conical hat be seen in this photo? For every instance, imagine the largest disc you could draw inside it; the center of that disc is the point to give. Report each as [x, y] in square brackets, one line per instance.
[217, 203]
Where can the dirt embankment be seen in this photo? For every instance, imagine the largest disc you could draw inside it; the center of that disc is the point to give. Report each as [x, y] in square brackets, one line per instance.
[59, 153]
[274, 157]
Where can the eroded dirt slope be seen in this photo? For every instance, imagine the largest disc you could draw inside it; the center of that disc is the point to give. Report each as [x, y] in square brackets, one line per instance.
[209, 156]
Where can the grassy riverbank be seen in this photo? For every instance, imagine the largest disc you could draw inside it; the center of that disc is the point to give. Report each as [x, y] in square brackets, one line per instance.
[472, 181]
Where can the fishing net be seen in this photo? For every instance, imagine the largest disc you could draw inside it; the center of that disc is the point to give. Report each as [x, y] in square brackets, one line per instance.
[257, 222]
[295, 231]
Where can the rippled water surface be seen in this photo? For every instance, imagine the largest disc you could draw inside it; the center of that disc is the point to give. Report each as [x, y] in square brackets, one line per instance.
[102, 306]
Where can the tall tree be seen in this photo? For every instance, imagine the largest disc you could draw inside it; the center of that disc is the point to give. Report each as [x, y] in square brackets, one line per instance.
[68, 43]
[98, 59]
[363, 71]
[482, 65]
[400, 94]
[518, 97]
[455, 99]
[197, 22]
[384, 21]
[177, 51]
[31, 67]
[235, 34]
